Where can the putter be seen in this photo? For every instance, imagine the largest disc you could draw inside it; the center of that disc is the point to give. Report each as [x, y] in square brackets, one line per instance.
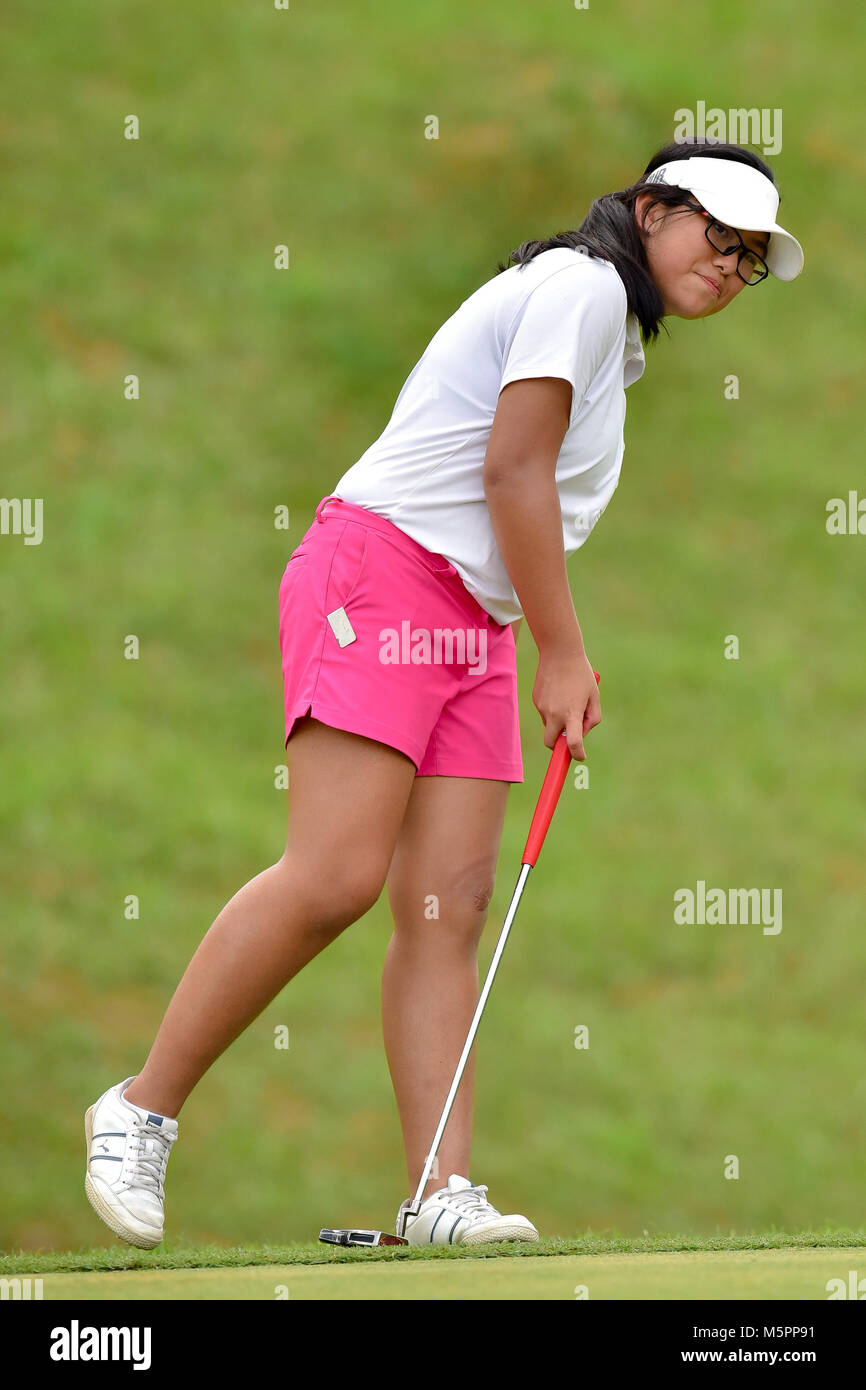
[557, 771]
[349, 1236]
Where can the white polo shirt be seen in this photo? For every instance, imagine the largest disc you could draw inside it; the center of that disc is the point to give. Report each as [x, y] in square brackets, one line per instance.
[563, 314]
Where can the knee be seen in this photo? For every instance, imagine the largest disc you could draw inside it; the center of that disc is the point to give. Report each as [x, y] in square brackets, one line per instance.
[479, 896]
[455, 918]
[465, 913]
[332, 898]
[470, 913]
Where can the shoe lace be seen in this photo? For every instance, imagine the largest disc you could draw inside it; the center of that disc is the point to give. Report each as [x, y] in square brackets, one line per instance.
[150, 1157]
[471, 1203]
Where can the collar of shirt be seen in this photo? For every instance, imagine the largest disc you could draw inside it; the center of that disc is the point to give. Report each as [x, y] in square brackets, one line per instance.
[633, 358]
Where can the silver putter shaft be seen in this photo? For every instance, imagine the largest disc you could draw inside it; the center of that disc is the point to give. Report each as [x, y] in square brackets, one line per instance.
[415, 1205]
[560, 760]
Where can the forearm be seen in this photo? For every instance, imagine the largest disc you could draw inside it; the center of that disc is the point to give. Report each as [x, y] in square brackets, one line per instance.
[527, 523]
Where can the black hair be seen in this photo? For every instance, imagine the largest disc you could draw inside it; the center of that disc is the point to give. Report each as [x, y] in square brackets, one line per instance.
[609, 231]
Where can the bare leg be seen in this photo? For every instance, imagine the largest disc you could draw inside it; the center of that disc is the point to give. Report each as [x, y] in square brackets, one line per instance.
[347, 798]
[448, 847]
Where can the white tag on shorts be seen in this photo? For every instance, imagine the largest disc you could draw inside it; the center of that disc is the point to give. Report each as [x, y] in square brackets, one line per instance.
[341, 627]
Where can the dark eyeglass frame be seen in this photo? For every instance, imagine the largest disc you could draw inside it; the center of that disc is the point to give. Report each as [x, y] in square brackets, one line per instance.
[738, 245]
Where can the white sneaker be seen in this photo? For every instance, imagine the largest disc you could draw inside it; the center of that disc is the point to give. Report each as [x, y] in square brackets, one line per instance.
[460, 1214]
[127, 1150]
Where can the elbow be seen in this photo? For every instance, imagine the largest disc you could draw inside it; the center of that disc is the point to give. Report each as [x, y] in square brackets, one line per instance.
[490, 474]
[521, 471]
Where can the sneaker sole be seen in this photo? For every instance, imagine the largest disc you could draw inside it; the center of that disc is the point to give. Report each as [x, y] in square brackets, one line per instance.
[504, 1232]
[101, 1207]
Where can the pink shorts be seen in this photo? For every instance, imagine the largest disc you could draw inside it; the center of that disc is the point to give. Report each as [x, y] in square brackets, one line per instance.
[408, 657]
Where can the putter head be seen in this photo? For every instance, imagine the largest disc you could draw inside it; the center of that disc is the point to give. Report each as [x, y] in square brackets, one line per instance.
[352, 1236]
[407, 1209]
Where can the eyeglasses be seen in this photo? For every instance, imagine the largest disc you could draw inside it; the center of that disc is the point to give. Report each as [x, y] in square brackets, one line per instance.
[751, 267]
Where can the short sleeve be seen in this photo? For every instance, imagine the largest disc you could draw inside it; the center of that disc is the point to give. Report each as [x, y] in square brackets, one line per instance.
[566, 327]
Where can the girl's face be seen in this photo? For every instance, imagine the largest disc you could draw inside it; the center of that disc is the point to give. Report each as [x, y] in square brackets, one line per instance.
[682, 261]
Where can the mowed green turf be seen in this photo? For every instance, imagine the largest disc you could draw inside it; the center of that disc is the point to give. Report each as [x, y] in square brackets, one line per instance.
[667, 1268]
[676, 1275]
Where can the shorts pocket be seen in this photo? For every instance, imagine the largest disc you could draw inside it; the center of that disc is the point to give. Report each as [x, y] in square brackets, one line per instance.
[295, 566]
[293, 587]
[347, 566]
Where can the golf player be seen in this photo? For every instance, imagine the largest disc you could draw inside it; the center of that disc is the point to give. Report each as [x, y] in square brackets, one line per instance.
[398, 614]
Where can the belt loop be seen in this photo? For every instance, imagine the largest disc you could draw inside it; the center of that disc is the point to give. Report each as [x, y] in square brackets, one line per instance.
[321, 507]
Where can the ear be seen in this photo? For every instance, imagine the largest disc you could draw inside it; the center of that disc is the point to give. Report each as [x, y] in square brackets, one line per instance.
[640, 204]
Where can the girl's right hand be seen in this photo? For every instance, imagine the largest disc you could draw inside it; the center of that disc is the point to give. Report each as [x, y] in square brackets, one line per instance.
[566, 696]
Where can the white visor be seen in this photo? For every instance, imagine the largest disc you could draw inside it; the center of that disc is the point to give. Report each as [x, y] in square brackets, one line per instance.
[741, 197]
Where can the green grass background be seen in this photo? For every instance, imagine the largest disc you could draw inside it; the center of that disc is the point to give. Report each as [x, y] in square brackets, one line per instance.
[743, 1274]
[259, 388]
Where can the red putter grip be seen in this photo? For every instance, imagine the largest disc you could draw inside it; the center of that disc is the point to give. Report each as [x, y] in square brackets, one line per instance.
[557, 771]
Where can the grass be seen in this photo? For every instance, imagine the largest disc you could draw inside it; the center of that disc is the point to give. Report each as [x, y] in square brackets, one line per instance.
[665, 1268]
[179, 1255]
